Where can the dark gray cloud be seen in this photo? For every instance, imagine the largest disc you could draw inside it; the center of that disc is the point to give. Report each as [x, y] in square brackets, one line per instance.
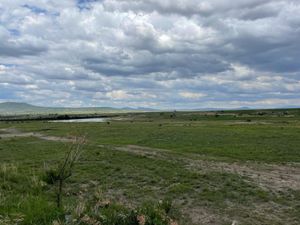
[185, 8]
[166, 54]
[12, 44]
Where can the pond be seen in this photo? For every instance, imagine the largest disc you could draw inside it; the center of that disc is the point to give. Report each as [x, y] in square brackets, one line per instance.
[86, 120]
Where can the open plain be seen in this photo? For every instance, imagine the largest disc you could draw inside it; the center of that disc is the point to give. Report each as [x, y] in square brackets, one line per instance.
[216, 167]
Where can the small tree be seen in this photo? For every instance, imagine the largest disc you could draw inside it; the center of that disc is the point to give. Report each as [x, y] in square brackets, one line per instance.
[65, 168]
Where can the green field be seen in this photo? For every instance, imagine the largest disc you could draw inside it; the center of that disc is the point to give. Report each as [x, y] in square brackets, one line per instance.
[216, 168]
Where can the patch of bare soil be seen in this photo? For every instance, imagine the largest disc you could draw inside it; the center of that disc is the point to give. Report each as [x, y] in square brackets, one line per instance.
[12, 133]
[202, 216]
[268, 176]
[248, 123]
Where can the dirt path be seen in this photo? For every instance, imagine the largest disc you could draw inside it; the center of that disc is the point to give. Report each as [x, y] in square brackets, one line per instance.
[270, 176]
[12, 132]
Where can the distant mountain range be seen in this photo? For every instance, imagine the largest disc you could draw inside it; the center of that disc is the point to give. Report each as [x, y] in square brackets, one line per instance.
[15, 108]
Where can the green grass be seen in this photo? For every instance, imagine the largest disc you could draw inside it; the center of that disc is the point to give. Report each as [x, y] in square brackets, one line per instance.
[130, 179]
[274, 141]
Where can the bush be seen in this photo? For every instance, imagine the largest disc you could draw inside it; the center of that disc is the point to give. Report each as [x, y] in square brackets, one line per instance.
[51, 176]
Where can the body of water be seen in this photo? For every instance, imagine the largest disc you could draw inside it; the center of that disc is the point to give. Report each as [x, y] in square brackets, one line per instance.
[86, 120]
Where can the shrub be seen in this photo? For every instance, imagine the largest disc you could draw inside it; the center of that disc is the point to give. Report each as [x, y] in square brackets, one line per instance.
[59, 175]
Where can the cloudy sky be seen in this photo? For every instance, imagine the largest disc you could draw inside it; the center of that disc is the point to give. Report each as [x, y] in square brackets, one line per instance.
[170, 54]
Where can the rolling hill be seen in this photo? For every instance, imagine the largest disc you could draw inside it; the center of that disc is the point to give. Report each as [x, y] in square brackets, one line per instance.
[15, 108]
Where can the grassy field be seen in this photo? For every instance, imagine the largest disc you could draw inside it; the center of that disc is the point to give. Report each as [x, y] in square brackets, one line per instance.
[216, 168]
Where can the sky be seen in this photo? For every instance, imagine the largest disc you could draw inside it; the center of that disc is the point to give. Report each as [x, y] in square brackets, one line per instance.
[170, 54]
